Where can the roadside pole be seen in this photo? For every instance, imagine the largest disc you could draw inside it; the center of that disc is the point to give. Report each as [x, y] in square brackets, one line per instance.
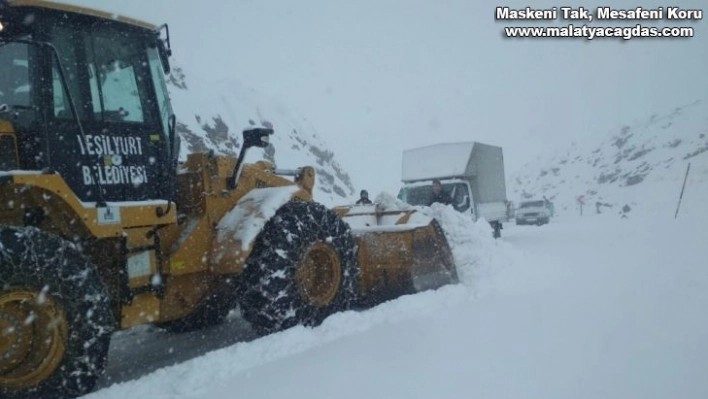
[683, 187]
[581, 201]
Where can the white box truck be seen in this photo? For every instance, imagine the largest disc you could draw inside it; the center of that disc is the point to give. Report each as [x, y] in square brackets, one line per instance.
[471, 172]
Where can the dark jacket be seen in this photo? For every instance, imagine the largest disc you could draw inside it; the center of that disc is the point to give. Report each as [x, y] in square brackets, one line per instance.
[363, 201]
[442, 197]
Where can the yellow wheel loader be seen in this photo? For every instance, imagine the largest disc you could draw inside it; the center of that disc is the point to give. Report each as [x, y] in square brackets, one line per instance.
[102, 228]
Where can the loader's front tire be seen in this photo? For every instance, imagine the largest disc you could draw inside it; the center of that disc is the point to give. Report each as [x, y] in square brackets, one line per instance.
[303, 268]
[55, 317]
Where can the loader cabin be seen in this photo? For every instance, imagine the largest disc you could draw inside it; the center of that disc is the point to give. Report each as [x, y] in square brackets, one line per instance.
[83, 94]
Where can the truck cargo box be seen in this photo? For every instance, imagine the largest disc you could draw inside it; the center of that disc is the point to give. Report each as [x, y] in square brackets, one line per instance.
[480, 164]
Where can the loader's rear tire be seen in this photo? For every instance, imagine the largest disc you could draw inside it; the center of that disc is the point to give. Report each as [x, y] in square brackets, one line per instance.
[303, 268]
[55, 317]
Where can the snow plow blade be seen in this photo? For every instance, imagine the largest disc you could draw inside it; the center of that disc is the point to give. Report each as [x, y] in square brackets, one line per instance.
[400, 252]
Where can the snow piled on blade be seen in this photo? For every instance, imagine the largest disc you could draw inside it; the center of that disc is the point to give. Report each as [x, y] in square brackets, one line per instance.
[476, 253]
[383, 216]
[388, 202]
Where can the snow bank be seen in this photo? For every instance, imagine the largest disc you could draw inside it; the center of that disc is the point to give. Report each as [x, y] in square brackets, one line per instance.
[581, 308]
[477, 254]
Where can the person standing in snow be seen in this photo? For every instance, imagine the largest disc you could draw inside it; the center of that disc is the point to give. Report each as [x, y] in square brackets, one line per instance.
[440, 195]
[363, 198]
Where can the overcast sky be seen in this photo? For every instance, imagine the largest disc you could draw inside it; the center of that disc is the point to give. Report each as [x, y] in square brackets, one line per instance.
[376, 77]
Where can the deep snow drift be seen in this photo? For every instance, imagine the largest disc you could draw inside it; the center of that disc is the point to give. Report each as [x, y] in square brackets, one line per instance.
[583, 307]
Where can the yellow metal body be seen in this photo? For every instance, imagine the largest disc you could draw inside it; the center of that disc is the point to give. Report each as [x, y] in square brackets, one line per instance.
[160, 260]
[179, 250]
[8, 133]
[80, 10]
[32, 351]
[159, 265]
[398, 255]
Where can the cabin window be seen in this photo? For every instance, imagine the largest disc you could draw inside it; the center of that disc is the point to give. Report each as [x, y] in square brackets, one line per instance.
[113, 64]
[103, 69]
[64, 40]
[163, 99]
[15, 78]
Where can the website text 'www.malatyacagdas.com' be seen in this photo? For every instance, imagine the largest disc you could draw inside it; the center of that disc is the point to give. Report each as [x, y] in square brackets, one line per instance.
[595, 32]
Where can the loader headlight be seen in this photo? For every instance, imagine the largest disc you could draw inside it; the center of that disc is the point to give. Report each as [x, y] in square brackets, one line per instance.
[1, 26]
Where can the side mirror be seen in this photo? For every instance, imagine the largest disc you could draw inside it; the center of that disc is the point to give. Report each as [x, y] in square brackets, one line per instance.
[174, 136]
[463, 205]
[257, 137]
[164, 48]
[163, 53]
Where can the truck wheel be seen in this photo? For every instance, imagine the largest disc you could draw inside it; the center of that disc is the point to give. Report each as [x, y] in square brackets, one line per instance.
[303, 268]
[497, 226]
[55, 317]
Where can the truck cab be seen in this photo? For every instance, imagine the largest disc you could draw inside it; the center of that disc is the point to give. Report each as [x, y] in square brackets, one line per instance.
[471, 172]
[420, 193]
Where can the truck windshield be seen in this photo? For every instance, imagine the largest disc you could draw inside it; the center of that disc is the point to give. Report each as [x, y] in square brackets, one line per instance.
[422, 195]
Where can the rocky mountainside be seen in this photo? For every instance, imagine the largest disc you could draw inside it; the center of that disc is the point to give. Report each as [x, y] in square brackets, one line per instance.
[642, 165]
[212, 116]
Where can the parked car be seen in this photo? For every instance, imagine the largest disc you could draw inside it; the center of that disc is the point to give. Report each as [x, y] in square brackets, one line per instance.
[536, 212]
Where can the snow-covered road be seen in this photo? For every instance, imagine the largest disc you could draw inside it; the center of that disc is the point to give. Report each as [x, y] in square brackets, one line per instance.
[592, 307]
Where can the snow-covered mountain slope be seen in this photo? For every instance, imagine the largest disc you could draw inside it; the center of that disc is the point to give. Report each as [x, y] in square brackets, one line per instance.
[211, 116]
[641, 166]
